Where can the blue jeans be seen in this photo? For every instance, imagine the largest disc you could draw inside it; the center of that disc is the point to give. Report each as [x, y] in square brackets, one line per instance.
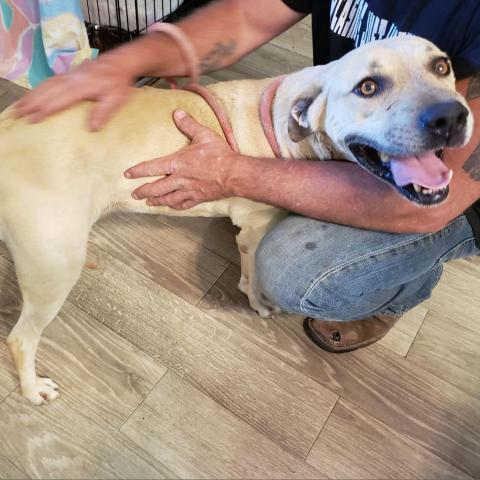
[335, 272]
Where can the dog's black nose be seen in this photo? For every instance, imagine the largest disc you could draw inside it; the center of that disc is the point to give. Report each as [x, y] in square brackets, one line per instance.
[445, 120]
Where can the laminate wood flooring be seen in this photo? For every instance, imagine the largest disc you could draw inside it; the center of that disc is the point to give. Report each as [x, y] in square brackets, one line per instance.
[166, 372]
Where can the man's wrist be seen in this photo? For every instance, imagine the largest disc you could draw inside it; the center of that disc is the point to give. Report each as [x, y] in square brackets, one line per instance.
[127, 58]
[146, 56]
[237, 175]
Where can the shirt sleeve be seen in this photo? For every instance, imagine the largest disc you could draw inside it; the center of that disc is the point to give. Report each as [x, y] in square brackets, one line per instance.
[467, 61]
[301, 6]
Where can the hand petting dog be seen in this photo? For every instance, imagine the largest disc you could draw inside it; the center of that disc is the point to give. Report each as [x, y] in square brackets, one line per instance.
[106, 81]
[198, 173]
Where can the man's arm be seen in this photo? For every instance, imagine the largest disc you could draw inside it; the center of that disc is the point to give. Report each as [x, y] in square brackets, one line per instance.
[222, 33]
[339, 192]
[342, 192]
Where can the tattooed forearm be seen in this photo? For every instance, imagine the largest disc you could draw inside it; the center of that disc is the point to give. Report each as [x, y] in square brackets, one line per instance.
[213, 60]
[472, 165]
[473, 90]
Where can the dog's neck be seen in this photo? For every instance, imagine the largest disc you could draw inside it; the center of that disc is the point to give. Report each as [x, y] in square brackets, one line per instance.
[286, 96]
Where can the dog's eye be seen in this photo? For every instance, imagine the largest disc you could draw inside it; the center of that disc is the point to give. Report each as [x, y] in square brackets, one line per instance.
[442, 67]
[367, 88]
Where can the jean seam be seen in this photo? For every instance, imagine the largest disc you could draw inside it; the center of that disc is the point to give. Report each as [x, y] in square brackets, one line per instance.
[387, 249]
[438, 263]
[463, 242]
[404, 310]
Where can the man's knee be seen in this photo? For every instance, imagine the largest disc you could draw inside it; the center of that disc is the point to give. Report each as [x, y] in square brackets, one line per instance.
[272, 276]
[291, 257]
[303, 268]
[281, 266]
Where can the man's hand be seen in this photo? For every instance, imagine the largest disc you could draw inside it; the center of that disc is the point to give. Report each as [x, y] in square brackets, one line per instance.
[105, 81]
[198, 173]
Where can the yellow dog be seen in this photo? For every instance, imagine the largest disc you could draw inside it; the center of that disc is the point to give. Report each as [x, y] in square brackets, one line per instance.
[57, 178]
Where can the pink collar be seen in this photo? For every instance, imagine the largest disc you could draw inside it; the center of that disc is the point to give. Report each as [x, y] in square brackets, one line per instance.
[192, 64]
[193, 70]
[266, 120]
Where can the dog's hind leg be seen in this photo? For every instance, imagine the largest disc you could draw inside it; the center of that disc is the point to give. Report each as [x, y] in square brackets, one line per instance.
[47, 264]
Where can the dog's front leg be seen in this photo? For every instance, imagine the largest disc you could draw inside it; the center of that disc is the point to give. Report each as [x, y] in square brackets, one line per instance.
[248, 240]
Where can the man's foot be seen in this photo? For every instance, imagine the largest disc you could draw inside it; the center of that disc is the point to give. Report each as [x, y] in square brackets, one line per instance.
[346, 336]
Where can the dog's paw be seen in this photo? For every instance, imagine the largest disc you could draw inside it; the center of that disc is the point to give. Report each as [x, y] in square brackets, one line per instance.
[263, 311]
[263, 307]
[43, 390]
[266, 310]
[257, 300]
[274, 309]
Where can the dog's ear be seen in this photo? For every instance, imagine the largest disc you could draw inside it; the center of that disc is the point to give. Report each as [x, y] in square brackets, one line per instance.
[305, 116]
[298, 124]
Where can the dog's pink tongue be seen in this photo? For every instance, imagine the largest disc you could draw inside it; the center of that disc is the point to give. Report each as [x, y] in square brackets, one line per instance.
[428, 171]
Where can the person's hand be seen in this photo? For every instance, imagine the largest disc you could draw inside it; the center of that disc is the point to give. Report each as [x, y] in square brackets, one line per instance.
[104, 81]
[198, 173]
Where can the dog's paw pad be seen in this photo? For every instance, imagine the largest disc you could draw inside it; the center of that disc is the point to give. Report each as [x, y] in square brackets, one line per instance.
[44, 390]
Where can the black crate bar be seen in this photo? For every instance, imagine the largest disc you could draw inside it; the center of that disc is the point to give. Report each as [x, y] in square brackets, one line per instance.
[105, 34]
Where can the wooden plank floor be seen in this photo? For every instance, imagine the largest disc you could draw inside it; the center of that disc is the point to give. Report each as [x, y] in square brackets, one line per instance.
[166, 373]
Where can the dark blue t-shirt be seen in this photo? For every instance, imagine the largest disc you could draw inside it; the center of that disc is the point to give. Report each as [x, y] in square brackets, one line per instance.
[339, 26]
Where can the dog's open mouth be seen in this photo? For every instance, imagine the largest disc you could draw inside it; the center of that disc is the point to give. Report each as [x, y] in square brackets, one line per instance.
[422, 179]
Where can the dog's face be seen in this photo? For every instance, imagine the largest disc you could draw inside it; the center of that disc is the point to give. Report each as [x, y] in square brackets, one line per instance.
[391, 106]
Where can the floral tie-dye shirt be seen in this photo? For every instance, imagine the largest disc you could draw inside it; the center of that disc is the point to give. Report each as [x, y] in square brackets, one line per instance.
[40, 38]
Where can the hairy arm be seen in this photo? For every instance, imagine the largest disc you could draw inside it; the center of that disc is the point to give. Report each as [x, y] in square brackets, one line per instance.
[342, 192]
[222, 33]
[339, 192]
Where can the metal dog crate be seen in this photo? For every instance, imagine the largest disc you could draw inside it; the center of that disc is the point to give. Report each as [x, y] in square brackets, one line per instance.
[112, 22]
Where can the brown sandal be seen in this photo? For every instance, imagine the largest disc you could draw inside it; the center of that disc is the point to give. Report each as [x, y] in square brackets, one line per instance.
[339, 337]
